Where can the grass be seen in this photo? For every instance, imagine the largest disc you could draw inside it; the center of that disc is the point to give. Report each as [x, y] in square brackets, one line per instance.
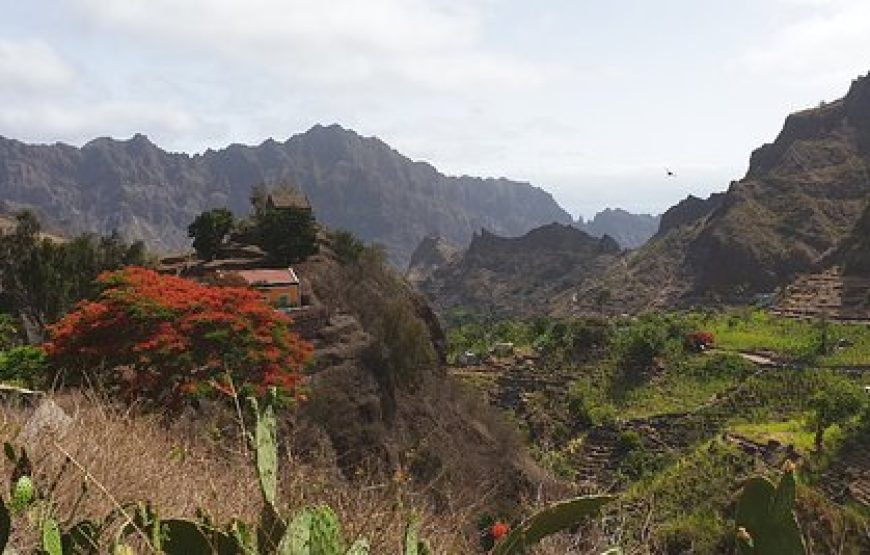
[178, 468]
[672, 394]
[794, 431]
[690, 383]
[688, 500]
[759, 331]
[755, 330]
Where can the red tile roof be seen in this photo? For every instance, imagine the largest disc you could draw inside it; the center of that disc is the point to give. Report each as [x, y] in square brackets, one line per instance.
[269, 277]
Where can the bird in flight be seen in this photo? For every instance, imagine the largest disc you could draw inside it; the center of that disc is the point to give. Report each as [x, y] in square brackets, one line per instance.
[670, 173]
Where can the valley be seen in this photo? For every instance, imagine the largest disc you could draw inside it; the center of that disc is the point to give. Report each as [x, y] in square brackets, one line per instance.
[323, 346]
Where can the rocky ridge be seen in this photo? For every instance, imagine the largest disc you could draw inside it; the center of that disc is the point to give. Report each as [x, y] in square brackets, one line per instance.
[516, 276]
[353, 182]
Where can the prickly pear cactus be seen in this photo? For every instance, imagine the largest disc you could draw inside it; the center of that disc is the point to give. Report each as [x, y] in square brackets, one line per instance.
[51, 542]
[297, 537]
[22, 494]
[325, 532]
[413, 544]
[549, 520]
[766, 519]
[266, 446]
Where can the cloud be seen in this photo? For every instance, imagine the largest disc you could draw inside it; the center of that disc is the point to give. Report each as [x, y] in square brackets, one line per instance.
[427, 44]
[827, 40]
[32, 66]
[78, 123]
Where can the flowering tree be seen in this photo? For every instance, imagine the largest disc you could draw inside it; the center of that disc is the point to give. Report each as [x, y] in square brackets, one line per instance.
[161, 336]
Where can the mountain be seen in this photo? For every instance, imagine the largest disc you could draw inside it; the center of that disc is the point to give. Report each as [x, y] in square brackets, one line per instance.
[353, 182]
[629, 230]
[513, 276]
[855, 251]
[800, 199]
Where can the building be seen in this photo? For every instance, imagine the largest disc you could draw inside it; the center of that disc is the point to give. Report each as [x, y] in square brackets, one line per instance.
[287, 197]
[280, 287]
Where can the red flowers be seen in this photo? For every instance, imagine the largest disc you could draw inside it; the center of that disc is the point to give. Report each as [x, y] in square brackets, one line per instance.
[699, 340]
[498, 530]
[178, 336]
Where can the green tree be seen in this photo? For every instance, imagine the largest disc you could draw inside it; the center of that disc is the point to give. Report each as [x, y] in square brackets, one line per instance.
[837, 401]
[288, 235]
[42, 278]
[209, 231]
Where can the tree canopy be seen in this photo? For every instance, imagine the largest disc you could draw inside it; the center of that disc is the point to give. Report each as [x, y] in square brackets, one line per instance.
[288, 235]
[209, 231]
[41, 278]
[163, 337]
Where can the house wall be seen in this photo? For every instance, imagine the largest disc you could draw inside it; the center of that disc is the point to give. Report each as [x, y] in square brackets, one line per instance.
[282, 295]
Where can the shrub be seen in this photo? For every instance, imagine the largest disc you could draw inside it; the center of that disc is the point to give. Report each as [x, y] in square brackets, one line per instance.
[699, 341]
[24, 365]
[837, 401]
[177, 337]
[347, 247]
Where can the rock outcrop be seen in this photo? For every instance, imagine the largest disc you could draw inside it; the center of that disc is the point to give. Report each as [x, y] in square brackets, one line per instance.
[519, 276]
[629, 230]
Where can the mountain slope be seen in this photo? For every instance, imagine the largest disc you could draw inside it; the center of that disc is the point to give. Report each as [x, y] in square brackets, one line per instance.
[353, 182]
[515, 276]
[629, 230]
[801, 197]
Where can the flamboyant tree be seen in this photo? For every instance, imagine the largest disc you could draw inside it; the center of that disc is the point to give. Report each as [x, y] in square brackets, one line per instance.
[160, 337]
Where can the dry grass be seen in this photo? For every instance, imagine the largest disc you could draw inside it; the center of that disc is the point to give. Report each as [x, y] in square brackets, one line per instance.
[131, 456]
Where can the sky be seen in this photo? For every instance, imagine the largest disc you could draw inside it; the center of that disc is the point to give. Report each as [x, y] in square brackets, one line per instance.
[589, 100]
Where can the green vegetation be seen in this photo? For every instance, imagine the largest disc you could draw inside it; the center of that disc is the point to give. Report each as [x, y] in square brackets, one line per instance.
[836, 402]
[677, 421]
[42, 278]
[550, 520]
[288, 235]
[209, 231]
[766, 517]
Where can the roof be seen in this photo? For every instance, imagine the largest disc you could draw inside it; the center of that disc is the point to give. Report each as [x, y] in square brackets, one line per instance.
[283, 276]
[288, 197]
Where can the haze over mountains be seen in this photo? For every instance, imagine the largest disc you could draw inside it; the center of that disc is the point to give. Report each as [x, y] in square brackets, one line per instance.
[353, 182]
[802, 207]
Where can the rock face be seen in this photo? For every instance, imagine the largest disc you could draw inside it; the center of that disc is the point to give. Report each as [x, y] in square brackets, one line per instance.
[353, 182]
[688, 211]
[801, 198]
[431, 254]
[855, 253]
[519, 276]
[629, 230]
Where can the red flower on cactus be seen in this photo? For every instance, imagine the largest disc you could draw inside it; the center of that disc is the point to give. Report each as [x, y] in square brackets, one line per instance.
[499, 530]
[178, 337]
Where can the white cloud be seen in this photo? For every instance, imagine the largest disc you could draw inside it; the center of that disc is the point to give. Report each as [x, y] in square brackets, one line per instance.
[79, 123]
[425, 44]
[32, 66]
[827, 41]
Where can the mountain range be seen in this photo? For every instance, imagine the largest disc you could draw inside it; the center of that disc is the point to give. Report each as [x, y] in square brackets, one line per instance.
[803, 206]
[353, 182]
[798, 209]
